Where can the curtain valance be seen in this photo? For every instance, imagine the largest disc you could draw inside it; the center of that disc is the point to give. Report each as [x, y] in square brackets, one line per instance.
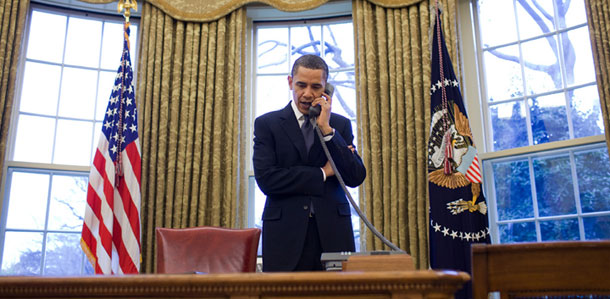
[209, 10]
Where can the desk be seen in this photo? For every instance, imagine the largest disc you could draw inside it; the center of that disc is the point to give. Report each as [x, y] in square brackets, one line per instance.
[385, 284]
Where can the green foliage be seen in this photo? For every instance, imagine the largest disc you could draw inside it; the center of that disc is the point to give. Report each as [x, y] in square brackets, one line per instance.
[517, 232]
[554, 186]
[513, 190]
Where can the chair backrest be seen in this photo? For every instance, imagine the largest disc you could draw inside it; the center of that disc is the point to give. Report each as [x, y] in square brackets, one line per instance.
[206, 249]
[542, 269]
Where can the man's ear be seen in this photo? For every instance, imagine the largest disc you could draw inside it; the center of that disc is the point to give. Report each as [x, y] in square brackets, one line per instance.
[290, 82]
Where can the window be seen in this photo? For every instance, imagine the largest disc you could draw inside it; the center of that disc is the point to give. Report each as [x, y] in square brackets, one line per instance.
[66, 76]
[544, 156]
[276, 46]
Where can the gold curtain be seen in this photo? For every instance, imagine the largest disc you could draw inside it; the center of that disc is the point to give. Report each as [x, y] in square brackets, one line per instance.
[393, 80]
[12, 19]
[193, 123]
[598, 15]
[209, 10]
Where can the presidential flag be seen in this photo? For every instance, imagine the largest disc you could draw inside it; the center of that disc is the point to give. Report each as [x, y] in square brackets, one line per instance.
[111, 230]
[458, 212]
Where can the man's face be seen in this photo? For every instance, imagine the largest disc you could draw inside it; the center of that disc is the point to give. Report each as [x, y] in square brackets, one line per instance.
[306, 85]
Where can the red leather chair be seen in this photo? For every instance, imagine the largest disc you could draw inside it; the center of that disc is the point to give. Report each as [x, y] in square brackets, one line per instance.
[206, 249]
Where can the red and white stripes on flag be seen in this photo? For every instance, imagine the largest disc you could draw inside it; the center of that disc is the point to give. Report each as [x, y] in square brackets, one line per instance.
[111, 230]
[474, 171]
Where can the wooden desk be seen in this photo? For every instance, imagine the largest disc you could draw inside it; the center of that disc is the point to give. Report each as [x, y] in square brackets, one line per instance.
[387, 284]
[562, 268]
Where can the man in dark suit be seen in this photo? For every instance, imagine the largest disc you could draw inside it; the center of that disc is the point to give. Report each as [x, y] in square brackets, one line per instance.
[306, 212]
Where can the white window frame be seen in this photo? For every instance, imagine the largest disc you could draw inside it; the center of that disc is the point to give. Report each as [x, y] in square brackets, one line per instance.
[473, 90]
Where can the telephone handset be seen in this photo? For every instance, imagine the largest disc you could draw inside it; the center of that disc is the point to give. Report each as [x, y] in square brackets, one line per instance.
[314, 111]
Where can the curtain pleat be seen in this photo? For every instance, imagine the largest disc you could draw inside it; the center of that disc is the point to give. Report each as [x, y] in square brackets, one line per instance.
[598, 14]
[393, 78]
[192, 107]
[12, 24]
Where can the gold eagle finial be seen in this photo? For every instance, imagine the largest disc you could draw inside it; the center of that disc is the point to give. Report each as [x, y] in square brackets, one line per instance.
[127, 5]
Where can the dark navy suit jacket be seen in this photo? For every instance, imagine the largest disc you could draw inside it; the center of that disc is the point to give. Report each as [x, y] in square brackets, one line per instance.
[292, 180]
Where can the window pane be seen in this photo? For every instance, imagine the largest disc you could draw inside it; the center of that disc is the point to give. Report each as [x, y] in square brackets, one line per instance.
[586, 112]
[344, 97]
[257, 199]
[513, 190]
[46, 37]
[28, 200]
[104, 89]
[97, 132]
[83, 42]
[34, 141]
[259, 203]
[63, 254]
[578, 57]
[548, 118]
[87, 267]
[541, 60]
[339, 45]
[269, 91]
[597, 228]
[575, 14]
[559, 230]
[272, 50]
[67, 207]
[24, 255]
[40, 88]
[73, 145]
[502, 76]
[593, 182]
[508, 123]
[554, 188]
[517, 232]
[530, 21]
[495, 16]
[133, 51]
[305, 40]
[112, 46]
[78, 93]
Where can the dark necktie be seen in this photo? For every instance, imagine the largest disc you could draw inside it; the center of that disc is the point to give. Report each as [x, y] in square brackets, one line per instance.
[307, 132]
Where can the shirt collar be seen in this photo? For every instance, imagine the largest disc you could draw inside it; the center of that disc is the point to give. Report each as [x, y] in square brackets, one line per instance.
[296, 111]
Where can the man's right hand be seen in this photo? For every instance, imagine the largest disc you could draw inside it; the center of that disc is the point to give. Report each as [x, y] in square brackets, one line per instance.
[328, 170]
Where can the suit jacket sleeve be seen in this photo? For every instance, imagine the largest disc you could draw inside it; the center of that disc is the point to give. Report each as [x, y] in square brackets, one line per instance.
[349, 164]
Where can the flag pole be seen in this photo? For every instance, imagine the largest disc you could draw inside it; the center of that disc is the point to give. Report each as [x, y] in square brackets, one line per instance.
[127, 6]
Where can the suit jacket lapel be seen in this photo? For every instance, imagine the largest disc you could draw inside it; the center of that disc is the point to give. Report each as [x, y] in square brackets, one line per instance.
[291, 126]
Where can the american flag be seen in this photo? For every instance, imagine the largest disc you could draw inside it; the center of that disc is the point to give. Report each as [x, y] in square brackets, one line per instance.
[111, 230]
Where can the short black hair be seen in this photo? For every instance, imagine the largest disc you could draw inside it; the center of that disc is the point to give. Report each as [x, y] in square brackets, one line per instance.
[312, 62]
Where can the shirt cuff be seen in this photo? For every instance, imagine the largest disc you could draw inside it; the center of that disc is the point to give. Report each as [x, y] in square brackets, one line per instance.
[323, 174]
[329, 136]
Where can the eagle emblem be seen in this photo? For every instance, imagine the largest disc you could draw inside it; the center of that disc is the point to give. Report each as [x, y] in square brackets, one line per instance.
[452, 158]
